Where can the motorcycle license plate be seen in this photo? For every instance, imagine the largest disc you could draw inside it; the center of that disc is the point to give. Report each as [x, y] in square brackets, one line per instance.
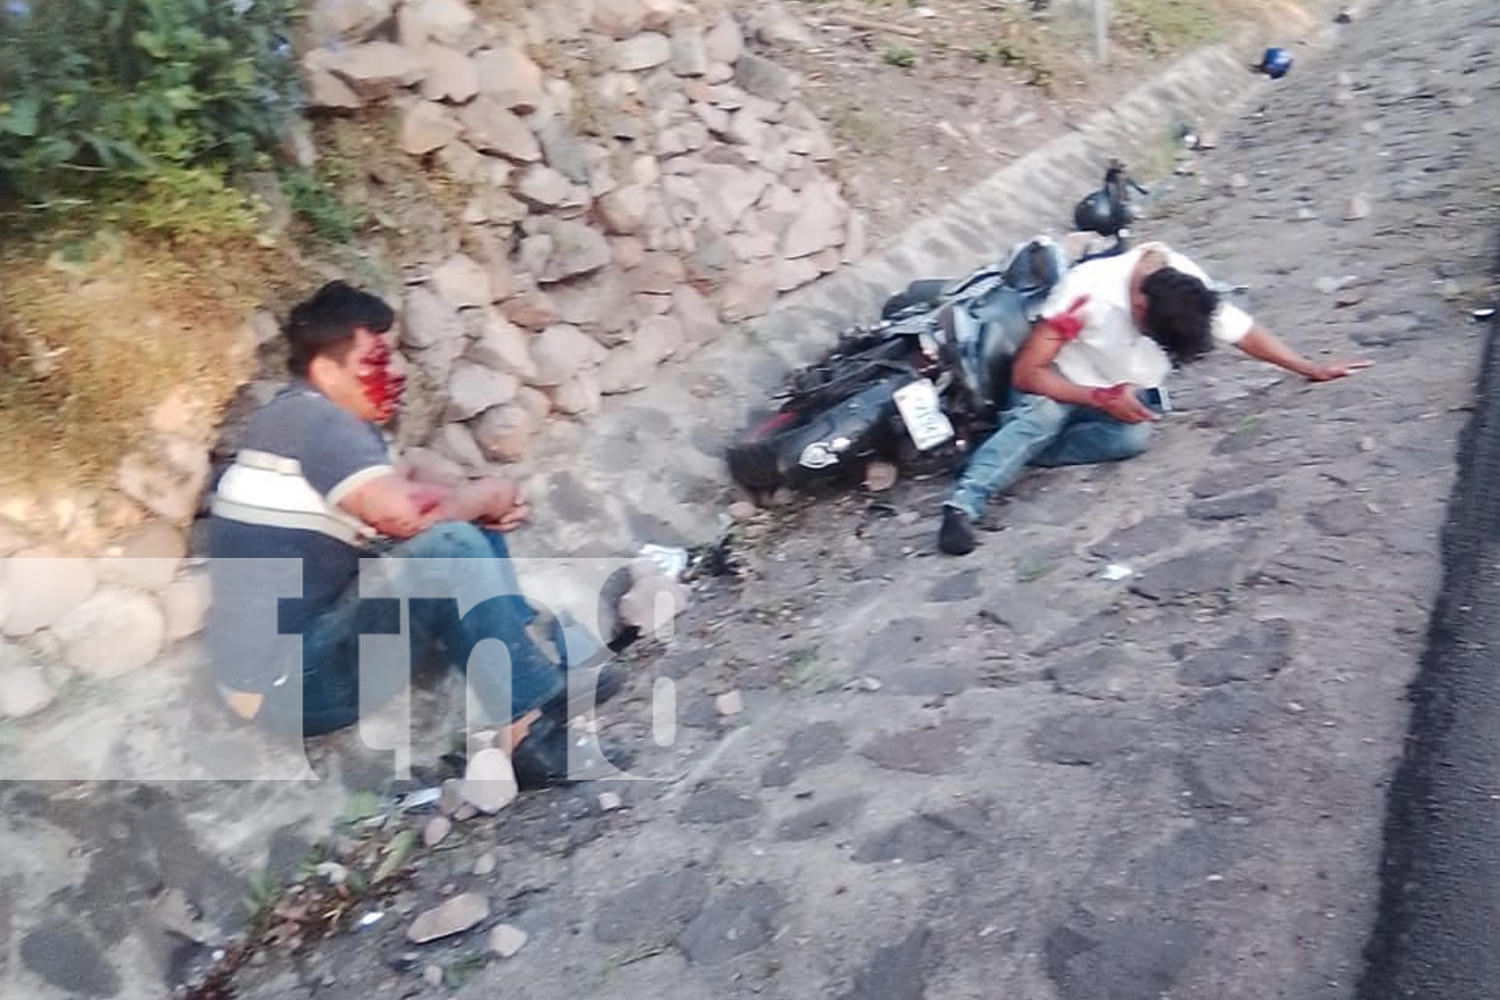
[925, 420]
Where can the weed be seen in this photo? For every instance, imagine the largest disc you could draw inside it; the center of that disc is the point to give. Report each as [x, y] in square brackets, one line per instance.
[1162, 27]
[902, 57]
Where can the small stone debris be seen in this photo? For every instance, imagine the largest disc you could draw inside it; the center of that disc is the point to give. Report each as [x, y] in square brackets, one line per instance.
[489, 781]
[609, 801]
[484, 739]
[1357, 208]
[436, 829]
[880, 476]
[451, 917]
[451, 798]
[432, 975]
[507, 939]
[729, 703]
[486, 863]
[742, 511]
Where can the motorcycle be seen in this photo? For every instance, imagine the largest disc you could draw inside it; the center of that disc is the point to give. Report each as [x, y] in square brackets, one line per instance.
[924, 383]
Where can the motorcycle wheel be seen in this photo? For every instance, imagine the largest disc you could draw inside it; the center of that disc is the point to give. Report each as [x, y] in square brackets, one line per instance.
[923, 293]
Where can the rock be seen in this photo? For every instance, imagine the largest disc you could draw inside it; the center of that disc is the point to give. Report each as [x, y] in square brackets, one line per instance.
[1358, 207]
[454, 916]
[503, 434]
[498, 207]
[427, 126]
[451, 76]
[1255, 654]
[508, 77]
[112, 633]
[23, 685]
[507, 939]
[818, 225]
[699, 322]
[489, 782]
[880, 476]
[624, 209]
[491, 128]
[729, 192]
[741, 921]
[324, 90]
[654, 908]
[563, 351]
[689, 53]
[353, 20]
[715, 805]
[729, 703]
[503, 346]
[609, 801]
[1127, 959]
[658, 274]
[773, 24]
[619, 18]
[435, 830]
[640, 52]
[564, 151]
[184, 606]
[576, 249]
[463, 281]
[578, 395]
[456, 441]
[1203, 571]
[43, 585]
[750, 293]
[724, 41]
[763, 78]
[474, 388]
[935, 750]
[545, 188]
[625, 368]
[61, 953]
[486, 864]
[166, 477]
[790, 274]
[374, 70]
[147, 560]
[533, 310]
[430, 321]
[446, 22]
[1228, 508]
[960, 586]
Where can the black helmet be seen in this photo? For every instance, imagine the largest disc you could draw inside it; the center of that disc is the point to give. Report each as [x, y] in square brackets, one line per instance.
[1107, 210]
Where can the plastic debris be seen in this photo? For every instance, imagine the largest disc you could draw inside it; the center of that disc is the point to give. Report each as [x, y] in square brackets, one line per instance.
[370, 919]
[1116, 571]
[671, 560]
[421, 797]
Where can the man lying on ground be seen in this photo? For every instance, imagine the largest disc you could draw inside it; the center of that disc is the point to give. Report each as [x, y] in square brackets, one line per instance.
[1113, 329]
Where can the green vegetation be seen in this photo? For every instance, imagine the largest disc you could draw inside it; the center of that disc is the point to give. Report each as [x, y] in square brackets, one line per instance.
[897, 56]
[1162, 27]
[140, 112]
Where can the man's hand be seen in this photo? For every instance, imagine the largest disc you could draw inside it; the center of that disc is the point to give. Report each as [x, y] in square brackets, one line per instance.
[501, 504]
[1120, 402]
[1327, 373]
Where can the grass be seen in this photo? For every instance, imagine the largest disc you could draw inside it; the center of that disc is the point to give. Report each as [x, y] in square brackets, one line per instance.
[96, 329]
[1165, 27]
[900, 57]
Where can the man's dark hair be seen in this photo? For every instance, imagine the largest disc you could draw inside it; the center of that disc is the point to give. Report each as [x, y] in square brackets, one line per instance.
[1179, 314]
[325, 323]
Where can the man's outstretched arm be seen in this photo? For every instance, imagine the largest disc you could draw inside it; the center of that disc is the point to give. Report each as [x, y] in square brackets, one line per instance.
[1263, 345]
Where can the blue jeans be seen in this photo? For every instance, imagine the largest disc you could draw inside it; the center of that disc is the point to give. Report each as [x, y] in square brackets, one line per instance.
[331, 676]
[1038, 430]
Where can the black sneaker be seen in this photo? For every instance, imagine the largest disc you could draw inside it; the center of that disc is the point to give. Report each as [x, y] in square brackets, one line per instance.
[548, 758]
[956, 536]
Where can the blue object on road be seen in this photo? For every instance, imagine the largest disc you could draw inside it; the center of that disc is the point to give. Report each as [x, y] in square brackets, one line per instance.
[1276, 62]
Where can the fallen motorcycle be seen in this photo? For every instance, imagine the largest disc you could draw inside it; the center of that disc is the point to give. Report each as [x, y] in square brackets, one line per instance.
[923, 384]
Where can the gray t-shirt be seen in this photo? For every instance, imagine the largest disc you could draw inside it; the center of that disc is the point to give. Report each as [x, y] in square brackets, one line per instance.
[301, 454]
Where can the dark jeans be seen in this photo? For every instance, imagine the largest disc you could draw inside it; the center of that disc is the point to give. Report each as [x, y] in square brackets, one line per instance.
[457, 559]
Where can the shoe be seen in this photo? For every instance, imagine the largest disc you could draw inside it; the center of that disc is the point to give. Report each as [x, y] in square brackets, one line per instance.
[548, 758]
[956, 536]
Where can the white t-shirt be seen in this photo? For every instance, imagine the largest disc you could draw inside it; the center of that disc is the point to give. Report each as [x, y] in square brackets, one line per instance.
[1110, 349]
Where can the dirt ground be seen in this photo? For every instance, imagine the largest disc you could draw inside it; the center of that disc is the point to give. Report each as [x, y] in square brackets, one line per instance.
[926, 99]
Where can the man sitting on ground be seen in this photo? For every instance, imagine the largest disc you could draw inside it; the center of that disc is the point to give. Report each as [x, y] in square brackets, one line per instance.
[314, 480]
[1079, 380]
